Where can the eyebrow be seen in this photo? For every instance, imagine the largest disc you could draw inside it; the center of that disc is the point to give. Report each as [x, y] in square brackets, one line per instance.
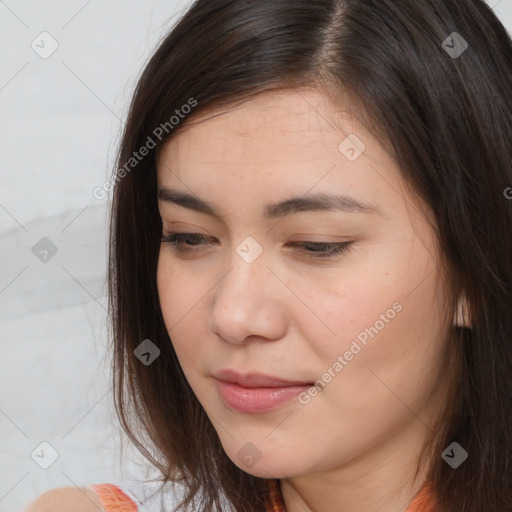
[320, 202]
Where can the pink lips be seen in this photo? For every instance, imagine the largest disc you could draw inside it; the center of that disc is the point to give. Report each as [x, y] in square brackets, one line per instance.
[256, 392]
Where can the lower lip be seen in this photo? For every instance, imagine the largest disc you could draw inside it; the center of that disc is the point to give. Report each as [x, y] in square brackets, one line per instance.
[254, 400]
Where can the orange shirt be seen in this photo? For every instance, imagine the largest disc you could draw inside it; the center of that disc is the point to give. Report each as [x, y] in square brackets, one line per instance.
[114, 499]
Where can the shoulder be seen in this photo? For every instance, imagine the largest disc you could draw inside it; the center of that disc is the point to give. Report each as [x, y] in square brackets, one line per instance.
[66, 499]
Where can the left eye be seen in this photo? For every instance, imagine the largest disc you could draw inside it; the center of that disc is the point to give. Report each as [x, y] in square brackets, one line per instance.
[321, 249]
[185, 242]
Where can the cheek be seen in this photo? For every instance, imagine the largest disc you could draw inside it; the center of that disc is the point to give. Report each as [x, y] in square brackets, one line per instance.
[386, 361]
[348, 300]
[180, 290]
[180, 299]
[387, 323]
[345, 307]
[166, 291]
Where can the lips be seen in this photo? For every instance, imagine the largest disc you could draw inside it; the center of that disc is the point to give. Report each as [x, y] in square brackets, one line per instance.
[256, 392]
[257, 380]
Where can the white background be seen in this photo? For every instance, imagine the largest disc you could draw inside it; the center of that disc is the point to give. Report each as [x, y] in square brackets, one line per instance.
[60, 123]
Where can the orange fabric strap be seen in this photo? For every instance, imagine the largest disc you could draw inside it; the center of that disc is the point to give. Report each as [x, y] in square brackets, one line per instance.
[113, 498]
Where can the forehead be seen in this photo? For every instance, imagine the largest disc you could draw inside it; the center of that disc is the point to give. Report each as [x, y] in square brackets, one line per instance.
[271, 128]
[279, 144]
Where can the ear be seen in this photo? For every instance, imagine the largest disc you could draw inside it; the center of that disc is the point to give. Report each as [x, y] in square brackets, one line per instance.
[462, 317]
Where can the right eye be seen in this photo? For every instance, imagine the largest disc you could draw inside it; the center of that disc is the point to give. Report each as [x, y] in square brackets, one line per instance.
[184, 242]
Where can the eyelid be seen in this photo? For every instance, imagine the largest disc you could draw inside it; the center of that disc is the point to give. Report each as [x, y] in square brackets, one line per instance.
[302, 237]
[311, 237]
[186, 226]
[334, 249]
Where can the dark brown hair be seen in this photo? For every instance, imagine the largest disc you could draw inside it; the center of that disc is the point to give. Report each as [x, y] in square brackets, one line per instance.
[447, 120]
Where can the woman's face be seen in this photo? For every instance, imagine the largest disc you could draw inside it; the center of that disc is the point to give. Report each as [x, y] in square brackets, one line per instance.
[368, 324]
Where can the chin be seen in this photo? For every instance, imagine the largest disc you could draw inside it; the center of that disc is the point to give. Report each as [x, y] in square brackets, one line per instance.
[265, 463]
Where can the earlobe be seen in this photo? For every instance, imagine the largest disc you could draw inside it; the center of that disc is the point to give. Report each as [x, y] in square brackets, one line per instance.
[462, 317]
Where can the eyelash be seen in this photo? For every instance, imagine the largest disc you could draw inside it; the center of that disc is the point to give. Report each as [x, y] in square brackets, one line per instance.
[176, 241]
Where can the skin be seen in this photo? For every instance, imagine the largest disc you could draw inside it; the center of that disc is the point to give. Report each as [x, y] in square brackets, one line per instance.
[354, 447]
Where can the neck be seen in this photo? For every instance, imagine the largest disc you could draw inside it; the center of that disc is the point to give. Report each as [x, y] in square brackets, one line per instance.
[380, 480]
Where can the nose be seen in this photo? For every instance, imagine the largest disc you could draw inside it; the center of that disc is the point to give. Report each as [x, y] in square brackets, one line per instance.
[249, 303]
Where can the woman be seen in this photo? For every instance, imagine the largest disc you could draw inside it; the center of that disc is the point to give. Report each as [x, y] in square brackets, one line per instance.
[311, 258]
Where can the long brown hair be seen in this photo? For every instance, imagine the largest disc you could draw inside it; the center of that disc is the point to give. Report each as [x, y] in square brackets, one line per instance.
[433, 79]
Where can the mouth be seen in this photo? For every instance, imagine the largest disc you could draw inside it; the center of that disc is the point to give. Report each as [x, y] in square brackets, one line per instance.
[256, 392]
